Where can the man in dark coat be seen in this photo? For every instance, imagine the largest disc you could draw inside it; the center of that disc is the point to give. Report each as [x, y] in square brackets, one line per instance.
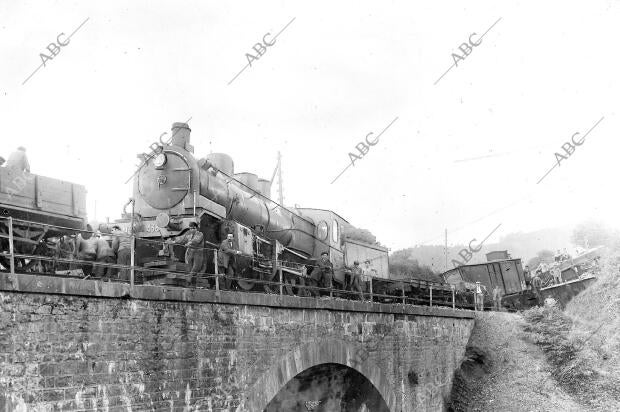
[65, 249]
[527, 275]
[121, 245]
[193, 240]
[356, 275]
[536, 286]
[323, 271]
[226, 259]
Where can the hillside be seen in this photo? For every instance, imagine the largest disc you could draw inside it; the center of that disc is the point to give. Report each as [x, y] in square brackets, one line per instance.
[595, 314]
[519, 245]
[581, 344]
[597, 309]
[545, 359]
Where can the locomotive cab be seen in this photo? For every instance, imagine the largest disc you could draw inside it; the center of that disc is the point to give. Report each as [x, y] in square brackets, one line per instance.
[327, 238]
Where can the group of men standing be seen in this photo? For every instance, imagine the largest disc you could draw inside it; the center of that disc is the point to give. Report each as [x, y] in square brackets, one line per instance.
[193, 240]
[360, 278]
[481, 290]
[96, 248]
[97, 252]
[88, 247]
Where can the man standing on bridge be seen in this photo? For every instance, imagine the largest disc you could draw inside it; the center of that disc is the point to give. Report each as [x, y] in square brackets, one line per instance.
[105, 254]
[121, 245]
[367, 274]
[356, 275]
[193, 240]
[226, 259]
[86, 248]
[65, 249]
[323, 272]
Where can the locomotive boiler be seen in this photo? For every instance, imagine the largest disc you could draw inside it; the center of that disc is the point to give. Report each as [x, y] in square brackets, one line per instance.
[173, 188]
[173, 184]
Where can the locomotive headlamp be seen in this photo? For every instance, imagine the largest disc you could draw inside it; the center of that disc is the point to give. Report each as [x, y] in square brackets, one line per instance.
[162, 220]
[159, 160]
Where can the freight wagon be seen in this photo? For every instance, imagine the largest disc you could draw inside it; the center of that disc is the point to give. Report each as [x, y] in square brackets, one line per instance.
[37, 203]
[505, 273]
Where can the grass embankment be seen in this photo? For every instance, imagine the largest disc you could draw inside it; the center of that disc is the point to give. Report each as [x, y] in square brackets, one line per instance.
[502, 371]
[545, 359]
[582, 344]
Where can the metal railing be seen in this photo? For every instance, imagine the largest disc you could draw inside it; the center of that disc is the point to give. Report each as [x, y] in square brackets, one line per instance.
[377, 290]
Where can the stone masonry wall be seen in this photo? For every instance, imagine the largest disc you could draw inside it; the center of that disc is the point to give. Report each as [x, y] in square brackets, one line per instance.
[62, 352]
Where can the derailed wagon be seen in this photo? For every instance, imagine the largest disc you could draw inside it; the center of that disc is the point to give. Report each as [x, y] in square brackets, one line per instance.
[508, 275]
[505, 273]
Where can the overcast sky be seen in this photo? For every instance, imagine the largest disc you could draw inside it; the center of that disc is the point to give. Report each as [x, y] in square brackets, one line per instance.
[339, 71]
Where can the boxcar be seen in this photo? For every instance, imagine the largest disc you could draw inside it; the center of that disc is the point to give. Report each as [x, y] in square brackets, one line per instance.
[507, 273]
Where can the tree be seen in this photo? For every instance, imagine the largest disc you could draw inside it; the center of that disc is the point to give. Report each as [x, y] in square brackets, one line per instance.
[402, 266]
[362, 235]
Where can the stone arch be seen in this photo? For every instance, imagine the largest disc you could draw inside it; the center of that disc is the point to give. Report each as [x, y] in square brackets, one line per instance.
[306, 356]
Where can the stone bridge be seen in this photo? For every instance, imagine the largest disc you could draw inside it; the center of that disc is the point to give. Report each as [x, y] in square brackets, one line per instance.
[70, 344]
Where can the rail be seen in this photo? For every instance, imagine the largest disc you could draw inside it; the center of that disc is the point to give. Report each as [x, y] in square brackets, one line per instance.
[38, 258]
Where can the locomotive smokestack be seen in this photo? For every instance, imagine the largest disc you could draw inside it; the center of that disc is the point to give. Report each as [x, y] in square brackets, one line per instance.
[181, 136]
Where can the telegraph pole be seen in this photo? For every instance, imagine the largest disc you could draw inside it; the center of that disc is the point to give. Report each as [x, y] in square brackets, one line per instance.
[280, 191]
[446, 249]
[278, 171]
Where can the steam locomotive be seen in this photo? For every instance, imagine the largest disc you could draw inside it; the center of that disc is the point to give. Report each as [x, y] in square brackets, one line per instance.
[173, 188]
